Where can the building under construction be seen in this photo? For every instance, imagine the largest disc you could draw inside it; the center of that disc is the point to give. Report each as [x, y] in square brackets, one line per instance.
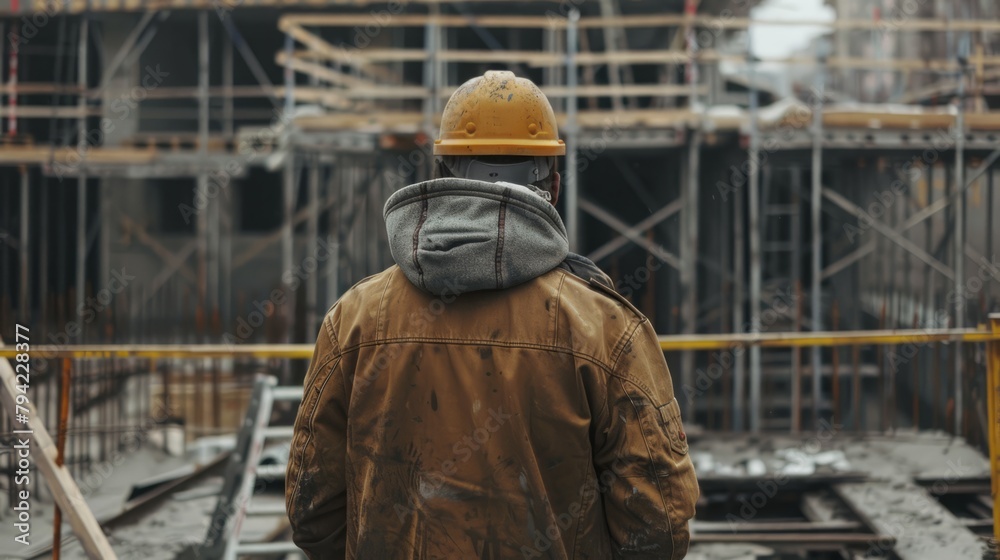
[187, 185]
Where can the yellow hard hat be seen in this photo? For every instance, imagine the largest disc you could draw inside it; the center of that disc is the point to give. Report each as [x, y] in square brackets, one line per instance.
[498, 114]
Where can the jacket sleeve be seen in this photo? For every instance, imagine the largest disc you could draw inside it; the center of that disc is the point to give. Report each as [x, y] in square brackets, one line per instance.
[645, 475]
[315, 490]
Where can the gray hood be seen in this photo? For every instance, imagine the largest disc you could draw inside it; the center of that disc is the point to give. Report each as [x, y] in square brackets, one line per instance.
[451, 236]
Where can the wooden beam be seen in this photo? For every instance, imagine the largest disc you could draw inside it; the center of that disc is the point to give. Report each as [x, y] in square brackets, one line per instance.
[272, 237]
[703, 21]
[321, 72]
[350, 57]
[664, 56]
[12, 155]
[66, 493]
[418, 92]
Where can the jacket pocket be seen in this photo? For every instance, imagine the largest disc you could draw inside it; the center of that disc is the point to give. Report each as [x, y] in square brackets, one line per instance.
[670, 419]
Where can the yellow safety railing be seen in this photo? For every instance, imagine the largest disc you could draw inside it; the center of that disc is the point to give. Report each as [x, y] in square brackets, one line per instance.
[993, 400]
[670, 343]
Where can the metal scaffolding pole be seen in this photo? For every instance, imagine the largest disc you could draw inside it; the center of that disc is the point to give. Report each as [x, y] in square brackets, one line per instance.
[739, 367]
[212, 208]
[959, 239]
[23, 247]
[431, 38]
[204, 218]
[312, 225]
[104, 253]
[287, 247]
[689, 257]
[227, 85]
[81, 187]
[755, 256]
[288, 185]
[815, 201]
[572, 136]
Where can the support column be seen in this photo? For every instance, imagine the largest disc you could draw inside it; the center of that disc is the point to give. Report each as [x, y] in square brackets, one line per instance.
[755, 254]
[214, 202]
[287, 246]
[312, 226]
[739, 366]
[24, 249]
[81, 187]
[689, 258]
[227, 85]
[431, 38]
[993, 400]
[289, 184]
[572, 136]
[207, 281]
[816, 201]
[959, 248]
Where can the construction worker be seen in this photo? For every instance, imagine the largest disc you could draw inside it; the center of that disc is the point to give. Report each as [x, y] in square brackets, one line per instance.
[490, 396]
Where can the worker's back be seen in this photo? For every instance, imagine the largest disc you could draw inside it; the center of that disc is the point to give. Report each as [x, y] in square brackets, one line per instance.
[442, 419]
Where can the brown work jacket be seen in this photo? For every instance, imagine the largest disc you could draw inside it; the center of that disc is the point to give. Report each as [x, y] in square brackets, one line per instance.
[533, 421]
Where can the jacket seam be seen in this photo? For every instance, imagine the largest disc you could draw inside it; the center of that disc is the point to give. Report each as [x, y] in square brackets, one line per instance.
[479, 342]
[626, 338]
[558, 309]
[501, 231]
[579, 516]
[667, 510]
[381, 299]
[424, 205]
[333, 337]
[496, 197]
[311, 419]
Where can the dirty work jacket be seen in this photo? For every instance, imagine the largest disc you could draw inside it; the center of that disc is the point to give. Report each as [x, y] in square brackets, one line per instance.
[489, 397]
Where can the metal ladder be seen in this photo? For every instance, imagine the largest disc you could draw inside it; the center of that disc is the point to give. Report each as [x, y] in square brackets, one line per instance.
[223, 539]
[781, 263]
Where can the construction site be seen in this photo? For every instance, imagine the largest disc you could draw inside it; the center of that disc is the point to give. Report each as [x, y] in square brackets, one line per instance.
[800, 196]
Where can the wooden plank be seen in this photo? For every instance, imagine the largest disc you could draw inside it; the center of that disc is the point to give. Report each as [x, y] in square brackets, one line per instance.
[706, 21]
[60, 483]
[45, 154]
[322, 72]
[890, 508]
[351, 57]
[418, 92]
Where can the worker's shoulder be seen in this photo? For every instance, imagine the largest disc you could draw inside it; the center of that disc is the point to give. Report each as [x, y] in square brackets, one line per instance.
[592, 318]
[364, 295]
[584, 281]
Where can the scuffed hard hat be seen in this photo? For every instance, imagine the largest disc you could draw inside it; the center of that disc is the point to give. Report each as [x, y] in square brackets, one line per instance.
[499, 114]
